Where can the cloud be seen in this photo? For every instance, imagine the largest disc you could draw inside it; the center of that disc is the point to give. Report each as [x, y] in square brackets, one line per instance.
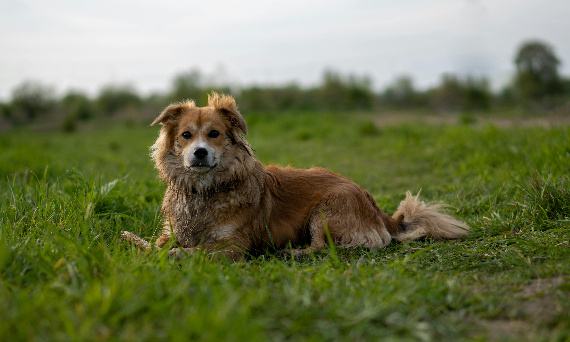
[87, 44]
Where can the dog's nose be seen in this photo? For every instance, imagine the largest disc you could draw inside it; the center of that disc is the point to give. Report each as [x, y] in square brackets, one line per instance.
[200, 153]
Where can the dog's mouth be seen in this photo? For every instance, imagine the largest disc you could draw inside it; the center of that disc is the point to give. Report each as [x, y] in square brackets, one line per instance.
[202, 167]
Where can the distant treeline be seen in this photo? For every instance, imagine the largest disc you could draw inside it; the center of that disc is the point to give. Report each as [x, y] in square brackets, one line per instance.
[536, 85]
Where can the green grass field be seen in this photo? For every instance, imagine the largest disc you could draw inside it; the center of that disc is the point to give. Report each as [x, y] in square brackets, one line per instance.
[66, 276]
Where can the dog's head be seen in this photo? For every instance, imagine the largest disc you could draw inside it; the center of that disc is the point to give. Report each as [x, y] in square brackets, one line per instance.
[199, 138]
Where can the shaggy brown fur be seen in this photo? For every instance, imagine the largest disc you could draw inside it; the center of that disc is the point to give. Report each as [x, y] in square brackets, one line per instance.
[221, 199]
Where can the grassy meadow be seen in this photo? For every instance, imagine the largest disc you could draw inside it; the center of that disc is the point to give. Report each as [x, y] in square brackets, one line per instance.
[66, 276]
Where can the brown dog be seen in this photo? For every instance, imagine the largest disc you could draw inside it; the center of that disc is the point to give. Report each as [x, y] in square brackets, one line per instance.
[221, 199]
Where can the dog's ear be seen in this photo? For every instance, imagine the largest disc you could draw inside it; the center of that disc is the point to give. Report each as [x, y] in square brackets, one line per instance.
[172, 112]
[228, 107]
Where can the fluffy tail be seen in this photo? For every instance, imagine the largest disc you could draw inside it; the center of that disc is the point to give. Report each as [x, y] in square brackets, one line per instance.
[418, 219]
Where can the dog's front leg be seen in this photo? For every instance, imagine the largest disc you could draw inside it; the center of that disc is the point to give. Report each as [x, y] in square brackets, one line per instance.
[135, 240]
[164, 239]
[228, 251]
[139, 242]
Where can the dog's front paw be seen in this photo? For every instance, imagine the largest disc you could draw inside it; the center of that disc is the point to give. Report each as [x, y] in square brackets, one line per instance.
[128, 236]
[135, 240]
[177, 254]
[294, 253]
[283, 254]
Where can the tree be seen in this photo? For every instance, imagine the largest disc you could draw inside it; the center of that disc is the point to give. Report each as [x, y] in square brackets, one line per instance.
[77, 105]
[30, 100]
[341, 93]
[113, 99]
[449, 95]
[5, 111]
[456, 94]
[187, 85]
[477, 95]
[537, 71]
[402, 93]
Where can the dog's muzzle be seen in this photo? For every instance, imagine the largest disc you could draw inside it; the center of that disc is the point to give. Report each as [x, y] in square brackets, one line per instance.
[202, 160]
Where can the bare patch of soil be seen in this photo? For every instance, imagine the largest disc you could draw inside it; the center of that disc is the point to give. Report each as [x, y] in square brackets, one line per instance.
[501, 329]
[538, 305]
[541, 304]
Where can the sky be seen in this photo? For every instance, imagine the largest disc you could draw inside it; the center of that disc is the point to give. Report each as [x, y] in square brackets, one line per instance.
[85, 45]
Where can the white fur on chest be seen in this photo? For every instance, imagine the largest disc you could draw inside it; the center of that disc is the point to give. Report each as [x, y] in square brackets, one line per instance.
[223, 231]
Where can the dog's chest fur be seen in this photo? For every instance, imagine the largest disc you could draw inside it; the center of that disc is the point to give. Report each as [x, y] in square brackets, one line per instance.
[207, 217]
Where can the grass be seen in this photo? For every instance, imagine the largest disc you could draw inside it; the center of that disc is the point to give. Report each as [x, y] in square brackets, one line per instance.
[65, 275]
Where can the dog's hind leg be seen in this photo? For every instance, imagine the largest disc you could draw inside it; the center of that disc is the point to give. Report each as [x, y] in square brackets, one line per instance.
[351, 219]
[318, 238]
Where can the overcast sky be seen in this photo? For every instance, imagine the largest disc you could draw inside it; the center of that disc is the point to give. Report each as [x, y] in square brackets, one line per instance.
[76, 44]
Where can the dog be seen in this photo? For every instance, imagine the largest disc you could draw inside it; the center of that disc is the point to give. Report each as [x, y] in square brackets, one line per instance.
[221, 199]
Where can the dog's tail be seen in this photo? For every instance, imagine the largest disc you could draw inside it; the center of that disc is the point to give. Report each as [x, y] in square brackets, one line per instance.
[418, 219]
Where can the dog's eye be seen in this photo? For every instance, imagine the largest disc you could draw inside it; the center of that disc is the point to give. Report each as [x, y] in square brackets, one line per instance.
[186, 135]
[214, 134]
